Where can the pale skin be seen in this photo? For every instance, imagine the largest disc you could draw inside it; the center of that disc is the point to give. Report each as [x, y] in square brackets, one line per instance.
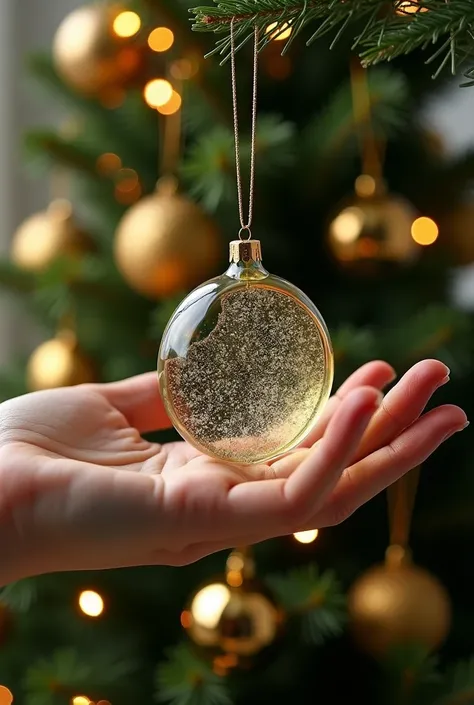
[80, 489]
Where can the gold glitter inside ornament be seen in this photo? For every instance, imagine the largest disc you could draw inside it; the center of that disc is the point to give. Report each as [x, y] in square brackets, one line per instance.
[245, 364]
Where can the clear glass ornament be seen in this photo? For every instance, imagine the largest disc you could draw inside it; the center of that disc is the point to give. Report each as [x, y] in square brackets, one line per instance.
[245, 364]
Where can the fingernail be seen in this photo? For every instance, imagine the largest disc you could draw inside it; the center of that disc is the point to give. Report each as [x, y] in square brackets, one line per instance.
[456, 430]
[445, 380]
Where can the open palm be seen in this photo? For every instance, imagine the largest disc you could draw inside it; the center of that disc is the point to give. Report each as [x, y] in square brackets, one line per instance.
[81, 489]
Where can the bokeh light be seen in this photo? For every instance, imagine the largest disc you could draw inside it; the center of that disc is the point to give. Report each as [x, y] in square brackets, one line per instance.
[183, 69]
[127, 24]
[424, 231]
[80, 700]
[209, 603]
[6, 696]
[108, 163]
[92, 604]
[172, 106]
[347, 226]
[157, 92]
[306, 536]
[161, 39]
[365, 186]
[284, 31]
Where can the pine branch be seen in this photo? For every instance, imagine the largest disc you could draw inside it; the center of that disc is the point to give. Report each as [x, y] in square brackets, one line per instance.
[460, 685]
[186, 680]
[19, 596]
[387, 31]
[316, 598]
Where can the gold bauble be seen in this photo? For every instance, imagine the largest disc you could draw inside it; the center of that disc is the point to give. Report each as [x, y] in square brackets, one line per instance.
[232, 619]
[89, 55]
[456, 234]
[47, 235]
[398, 603]
[371, 229]
[165, 244]
[58, 363]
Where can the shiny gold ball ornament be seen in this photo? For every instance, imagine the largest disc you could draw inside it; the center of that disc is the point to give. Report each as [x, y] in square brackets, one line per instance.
[245, 364]
[96, 51]
[48, 235]
[165, 244]
[372, 229]
[233, 619]
[398, 603]
[58, 363]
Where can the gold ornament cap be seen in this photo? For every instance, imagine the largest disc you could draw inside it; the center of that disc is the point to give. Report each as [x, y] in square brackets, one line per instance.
[245, 251]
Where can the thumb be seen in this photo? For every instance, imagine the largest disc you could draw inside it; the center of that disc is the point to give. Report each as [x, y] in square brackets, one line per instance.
[139, 400]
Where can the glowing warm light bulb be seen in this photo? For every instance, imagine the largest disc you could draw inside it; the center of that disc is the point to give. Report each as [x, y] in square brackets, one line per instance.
[209, 603]
[127, 24]
[157, 92]
[92, 604]
[306, 536]
[424, 231]
[279, 34]
[161, 39]
[80, 700]
[172, 106]
[6, 696]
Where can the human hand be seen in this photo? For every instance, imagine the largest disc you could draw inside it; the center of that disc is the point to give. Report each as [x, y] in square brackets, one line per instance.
[80, 488]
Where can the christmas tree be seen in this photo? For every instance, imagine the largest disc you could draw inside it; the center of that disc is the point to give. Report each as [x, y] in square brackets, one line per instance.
[357, 204]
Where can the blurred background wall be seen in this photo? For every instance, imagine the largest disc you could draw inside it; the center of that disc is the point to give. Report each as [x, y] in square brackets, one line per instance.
[26, 25]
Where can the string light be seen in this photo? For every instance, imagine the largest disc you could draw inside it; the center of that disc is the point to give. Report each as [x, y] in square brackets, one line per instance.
[306, 536]
[424, 231]
[6, 696]
[157, 92]
[280, 34]
[128, 188]
[127, 24]
[161, 39]
[172, 106]
[92, 604]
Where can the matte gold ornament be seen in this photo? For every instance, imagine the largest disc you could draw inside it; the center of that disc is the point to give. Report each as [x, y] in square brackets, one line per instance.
[59, 363]
[371, 229]
[48, 235]
[245, 364]
[233, 619]
[91, 57]
[398, 603]
[166, 244]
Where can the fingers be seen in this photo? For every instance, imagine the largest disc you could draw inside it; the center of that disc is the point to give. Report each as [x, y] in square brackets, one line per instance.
[273, 505]
[377, 374]
[139, 400]
[368, 477]
[403, 405]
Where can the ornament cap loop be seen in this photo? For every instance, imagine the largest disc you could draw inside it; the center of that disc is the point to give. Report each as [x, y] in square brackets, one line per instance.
[245, 251]
[245, 229]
